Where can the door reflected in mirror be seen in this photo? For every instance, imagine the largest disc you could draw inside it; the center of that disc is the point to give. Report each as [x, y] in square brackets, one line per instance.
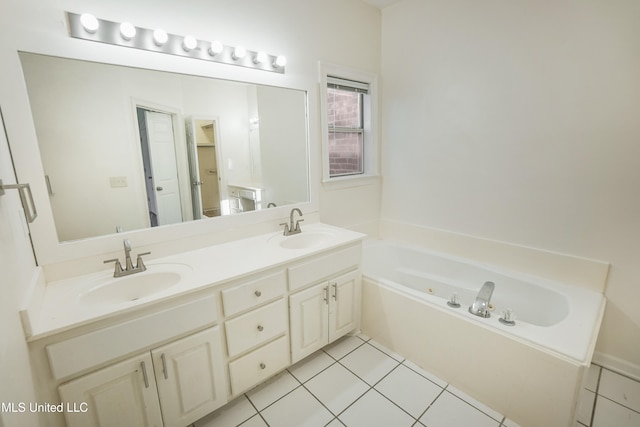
[128, 148]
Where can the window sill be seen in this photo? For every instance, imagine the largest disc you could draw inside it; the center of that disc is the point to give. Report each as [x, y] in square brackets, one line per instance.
[342, 182]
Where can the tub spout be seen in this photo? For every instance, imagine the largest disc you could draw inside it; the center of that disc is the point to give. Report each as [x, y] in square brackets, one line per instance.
[480, 306]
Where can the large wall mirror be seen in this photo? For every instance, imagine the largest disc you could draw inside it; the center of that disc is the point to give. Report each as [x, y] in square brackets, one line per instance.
[128, 148]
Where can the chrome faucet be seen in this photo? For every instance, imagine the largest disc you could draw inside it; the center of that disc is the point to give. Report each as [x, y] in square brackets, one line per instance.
[480, 306]
[290, 228]
[129, 268]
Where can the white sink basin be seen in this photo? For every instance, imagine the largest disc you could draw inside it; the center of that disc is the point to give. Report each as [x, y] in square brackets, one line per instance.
[138, 286]
[305, 240]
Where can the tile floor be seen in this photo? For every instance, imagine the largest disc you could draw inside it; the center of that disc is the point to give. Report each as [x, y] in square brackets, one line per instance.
[356, 382]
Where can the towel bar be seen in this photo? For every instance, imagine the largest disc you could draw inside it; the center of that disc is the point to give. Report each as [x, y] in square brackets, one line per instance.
[28, 205]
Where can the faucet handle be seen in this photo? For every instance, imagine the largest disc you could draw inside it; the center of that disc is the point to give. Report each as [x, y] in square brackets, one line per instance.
[118, 269]
[286, 228]
[297, 227]
[139, 263]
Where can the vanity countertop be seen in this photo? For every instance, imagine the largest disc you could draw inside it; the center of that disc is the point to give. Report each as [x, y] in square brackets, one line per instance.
[62, 306]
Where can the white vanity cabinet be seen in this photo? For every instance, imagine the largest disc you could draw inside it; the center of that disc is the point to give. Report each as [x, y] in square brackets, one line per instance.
[178, 383]
[173, 361]
[325, 311]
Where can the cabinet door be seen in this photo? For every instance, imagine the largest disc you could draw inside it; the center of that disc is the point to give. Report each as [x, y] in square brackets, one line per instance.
[309, 320]
[344, 307]
[123, 394]
[190, 376]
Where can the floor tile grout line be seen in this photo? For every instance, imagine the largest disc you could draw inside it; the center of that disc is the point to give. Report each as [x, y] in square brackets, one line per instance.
[595, 397]
[370, 387]
[432, 402]
[345, 355]
[257, 411]
[278, 399]
[428, 379]
[388, 398]
[454, 394]
[598, 394]
[635, 380]
[474, 406]
[618, 403]
[362, 379]
[343, 411]
[302, 384]
[335, 416]
[394, 403]
[401, 363]
[314, 375]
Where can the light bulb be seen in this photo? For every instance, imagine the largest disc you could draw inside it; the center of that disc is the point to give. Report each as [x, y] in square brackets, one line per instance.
[239, 52]
[216, 48]
[127, 30]
[89, 22]
[189, 43]
[160, 36]
[260, 58]
[281, 61]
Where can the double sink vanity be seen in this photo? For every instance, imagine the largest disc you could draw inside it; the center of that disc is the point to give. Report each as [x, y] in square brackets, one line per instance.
[168, 345]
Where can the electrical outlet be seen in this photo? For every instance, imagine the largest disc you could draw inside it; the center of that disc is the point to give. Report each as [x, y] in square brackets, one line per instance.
[118, 181]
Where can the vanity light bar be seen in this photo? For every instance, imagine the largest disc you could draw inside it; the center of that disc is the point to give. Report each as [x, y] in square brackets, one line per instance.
[88, 27]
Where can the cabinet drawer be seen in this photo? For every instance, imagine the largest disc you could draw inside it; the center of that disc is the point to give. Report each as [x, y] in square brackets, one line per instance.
[259, 365]
[253, 293]
[256, 327]
[318, 268]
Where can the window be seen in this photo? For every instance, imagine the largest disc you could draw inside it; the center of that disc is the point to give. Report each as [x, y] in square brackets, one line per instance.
[345, 119]
[348, 117]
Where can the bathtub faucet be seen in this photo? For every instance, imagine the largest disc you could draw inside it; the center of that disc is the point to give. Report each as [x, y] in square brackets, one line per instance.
[480, 306]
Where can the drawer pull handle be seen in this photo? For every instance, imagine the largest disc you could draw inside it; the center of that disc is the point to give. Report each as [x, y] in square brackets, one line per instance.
[335, 291]
[260, 328]
[326, 294]
[164, 366]
[258, 293]
[262, 366]
[144, 375]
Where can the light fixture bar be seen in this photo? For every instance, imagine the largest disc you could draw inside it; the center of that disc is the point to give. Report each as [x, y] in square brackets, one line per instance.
[110, 32]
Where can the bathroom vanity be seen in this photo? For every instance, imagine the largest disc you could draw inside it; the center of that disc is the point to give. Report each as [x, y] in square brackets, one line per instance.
[221, 320]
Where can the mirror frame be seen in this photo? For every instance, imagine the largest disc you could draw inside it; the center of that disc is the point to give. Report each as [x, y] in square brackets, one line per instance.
[27, 161]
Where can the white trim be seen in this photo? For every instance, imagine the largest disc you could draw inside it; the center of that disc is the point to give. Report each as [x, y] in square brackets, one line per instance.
[371, 149]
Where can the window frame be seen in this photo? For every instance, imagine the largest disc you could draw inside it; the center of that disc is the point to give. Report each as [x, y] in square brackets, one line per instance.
[370, 148]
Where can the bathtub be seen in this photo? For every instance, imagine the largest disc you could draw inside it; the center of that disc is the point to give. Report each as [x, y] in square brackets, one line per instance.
[531, 371]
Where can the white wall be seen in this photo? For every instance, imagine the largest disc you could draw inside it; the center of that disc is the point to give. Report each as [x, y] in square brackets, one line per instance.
[520, 122]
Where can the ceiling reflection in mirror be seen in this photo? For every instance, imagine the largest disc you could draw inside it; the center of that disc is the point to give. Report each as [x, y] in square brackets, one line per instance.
[127, 148]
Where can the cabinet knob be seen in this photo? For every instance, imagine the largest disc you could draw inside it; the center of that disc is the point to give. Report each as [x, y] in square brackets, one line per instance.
[262, 366]
[258, 293]
[260, 328]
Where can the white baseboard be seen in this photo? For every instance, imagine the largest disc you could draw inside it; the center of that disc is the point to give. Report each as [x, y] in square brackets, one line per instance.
[615, 364]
